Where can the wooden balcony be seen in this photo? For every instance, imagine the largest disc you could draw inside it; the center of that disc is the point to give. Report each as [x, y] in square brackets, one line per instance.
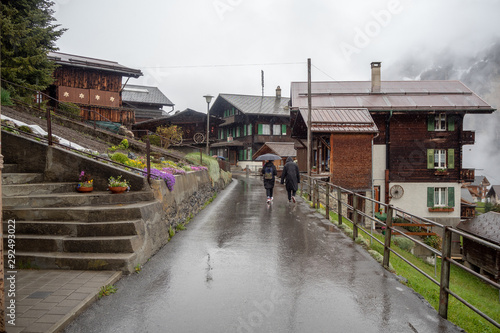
[467, 175]
[468, 137]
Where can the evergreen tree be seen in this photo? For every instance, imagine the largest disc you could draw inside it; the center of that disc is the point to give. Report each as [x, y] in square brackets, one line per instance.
[28, 33]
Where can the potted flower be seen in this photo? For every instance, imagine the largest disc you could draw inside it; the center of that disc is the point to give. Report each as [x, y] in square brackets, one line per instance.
[118, 185]
[86, 183]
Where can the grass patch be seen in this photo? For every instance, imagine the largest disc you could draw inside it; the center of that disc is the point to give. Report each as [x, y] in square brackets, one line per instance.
[479, 294]
[107, 290]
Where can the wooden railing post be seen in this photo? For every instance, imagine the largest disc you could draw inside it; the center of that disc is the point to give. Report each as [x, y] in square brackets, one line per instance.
[318, 206]
[339, 205]
[313, 192]
[309, 189]
[445, 273]
[327, 201]
[148, 160]
[49, 128]
[355, 216]
[388, 234]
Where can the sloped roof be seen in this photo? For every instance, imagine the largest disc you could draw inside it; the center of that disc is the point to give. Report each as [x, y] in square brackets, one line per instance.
[478, 180]
[283, 149]
[495, 189]
[394, 95]
[144, 94]
[466, 196]
[485, 226]
[258, 105]
[66, 59]
[340, 120]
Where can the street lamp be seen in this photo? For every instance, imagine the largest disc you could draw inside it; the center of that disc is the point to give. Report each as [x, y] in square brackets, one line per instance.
[209, 99]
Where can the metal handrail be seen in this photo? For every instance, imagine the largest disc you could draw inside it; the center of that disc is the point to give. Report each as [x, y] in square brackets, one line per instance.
[312, 184]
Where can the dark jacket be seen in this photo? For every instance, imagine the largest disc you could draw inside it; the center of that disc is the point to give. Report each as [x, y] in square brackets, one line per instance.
[269, 183]
[291, 175]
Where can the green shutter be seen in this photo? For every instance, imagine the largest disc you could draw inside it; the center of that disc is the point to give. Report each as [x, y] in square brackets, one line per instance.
[451, 158]
[259, 129]
[283, 129]
[240, 155]
[430, 158]
[451, 123]
[430, 197]
[430, 122]
[451, 197]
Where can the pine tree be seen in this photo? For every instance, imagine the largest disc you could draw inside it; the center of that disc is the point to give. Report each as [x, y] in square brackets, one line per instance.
[28, 33]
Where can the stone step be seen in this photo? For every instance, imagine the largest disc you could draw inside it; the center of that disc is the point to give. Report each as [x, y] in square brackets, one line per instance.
[74, 198]
[77, 229]
[21, 178]
[50, 243]
[117, 244]
[40, 188]
[103, 213]
[77, 261]
[10, 168]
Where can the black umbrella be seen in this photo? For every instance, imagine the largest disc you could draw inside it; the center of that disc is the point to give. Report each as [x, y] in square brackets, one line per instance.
[268, 157]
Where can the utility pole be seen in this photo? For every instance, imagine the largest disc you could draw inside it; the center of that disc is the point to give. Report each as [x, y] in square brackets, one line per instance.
[309, 111]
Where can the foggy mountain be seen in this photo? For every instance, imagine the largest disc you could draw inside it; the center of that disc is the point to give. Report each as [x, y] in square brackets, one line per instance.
[481, 73]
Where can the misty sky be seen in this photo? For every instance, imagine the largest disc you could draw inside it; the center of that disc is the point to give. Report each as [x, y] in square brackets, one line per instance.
[191, 48]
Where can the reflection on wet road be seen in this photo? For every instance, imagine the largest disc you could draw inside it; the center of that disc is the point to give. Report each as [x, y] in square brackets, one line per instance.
[245, 266]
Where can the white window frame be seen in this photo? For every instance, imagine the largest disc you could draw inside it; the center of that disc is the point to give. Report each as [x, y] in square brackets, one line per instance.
[440, 196]
[276, 129]
[440, 159]
[440, 122]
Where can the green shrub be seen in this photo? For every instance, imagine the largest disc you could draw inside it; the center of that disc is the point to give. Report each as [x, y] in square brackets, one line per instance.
[6, 98]
[153, 139]
[404, 243]
[124, 144]
[25, 129]
[71, 109]
[120, 158]
[434, 241]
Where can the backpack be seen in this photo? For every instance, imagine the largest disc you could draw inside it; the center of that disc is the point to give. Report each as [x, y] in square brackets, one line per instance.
[268, 173]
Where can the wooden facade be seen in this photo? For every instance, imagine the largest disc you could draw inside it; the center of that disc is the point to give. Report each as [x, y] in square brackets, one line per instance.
[92, 84]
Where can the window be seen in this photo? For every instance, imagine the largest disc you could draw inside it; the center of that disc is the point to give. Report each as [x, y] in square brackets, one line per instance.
[441, 197]
[276, 129]
[440, 122]
[238, 132]
[264, 129]
[439, 159]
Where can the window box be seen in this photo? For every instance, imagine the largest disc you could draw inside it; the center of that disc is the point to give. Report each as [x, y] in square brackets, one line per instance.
[441, 209]
[441, 172]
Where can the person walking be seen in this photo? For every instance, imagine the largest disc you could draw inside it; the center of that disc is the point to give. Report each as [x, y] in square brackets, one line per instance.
[292, 176]
[269, 172]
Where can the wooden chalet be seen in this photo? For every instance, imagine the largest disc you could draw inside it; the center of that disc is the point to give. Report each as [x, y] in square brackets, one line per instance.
[147, 102]
[249, 122]
[417, 154]
[483, 258]
[479, 188]
[282, 149]
[192, 123]
[342, 145]
[95, 85]
[493, 195]
[467, 204]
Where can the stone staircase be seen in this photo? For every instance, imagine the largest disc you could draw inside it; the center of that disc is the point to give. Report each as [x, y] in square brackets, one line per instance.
[57, 227]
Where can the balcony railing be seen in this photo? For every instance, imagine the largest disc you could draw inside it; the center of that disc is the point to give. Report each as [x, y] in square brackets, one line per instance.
[467, 175]
[468, 137]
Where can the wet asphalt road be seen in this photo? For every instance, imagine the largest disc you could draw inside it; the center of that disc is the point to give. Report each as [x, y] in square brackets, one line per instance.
[244, 266]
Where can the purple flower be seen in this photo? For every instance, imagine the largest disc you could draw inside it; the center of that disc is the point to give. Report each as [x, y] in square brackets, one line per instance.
[166, 176]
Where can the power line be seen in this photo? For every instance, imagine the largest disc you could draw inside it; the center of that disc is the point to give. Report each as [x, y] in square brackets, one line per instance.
[226, 65]
[322, 71]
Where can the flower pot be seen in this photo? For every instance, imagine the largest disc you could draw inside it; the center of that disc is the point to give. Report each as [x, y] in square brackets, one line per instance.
[118, 189]
[84, 189]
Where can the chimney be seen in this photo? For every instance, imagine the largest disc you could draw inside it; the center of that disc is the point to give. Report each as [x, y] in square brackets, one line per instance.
[376, 77]
[278, 92]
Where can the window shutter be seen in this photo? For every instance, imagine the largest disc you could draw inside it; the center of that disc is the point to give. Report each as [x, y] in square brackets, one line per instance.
[430, 122]
[283, 129]
[451, 123]
[451, 158]
[430, 158]
[430, 197]
[451, 197]
[259, 129]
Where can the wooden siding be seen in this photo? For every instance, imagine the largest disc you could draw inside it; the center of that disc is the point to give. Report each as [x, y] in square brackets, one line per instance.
[124, 116]
[352, 161]
[87, 79]
[410, 141]
[482, 256]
